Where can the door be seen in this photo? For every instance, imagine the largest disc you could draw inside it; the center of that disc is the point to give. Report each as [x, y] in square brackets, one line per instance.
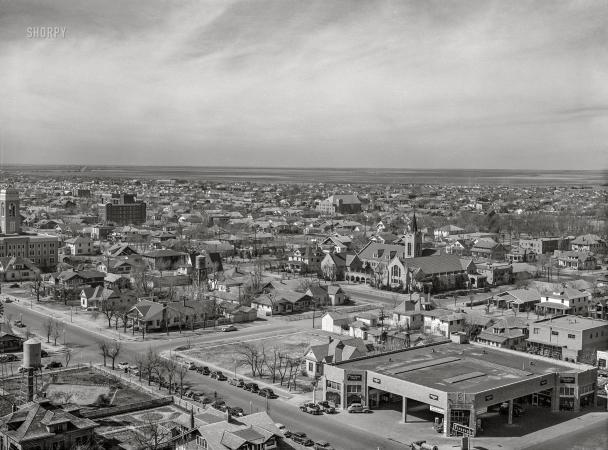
[534, 399]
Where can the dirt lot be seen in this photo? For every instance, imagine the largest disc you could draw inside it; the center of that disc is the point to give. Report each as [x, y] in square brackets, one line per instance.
[225, 355]
[76, 383]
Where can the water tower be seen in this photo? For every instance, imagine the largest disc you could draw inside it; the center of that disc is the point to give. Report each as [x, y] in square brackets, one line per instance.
[32, 363]
[201, 267]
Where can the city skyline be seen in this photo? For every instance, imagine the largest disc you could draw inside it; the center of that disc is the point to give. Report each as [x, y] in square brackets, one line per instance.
[275, 84]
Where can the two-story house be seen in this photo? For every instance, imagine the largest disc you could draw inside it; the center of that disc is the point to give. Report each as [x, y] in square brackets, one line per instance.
[510, 332]
[79, 246]
[565, 301]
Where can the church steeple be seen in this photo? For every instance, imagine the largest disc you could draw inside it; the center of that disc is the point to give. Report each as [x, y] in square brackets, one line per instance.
[414, 224]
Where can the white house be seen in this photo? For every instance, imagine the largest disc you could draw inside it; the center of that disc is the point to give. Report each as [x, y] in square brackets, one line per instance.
[79, 246]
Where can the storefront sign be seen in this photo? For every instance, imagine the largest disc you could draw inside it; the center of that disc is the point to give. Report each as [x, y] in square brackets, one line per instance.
[376, 380]
[433, 397]
[542, 383]
[437, 410]
[466, 431]
[567, 380]
[352, 377]
[489, 397]
[482, 410]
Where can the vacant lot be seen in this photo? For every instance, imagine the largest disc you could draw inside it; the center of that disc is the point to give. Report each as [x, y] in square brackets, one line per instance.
[83, 395]
[225, 354]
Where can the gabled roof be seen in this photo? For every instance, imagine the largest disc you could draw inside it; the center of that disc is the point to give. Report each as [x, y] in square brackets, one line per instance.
[435, 264]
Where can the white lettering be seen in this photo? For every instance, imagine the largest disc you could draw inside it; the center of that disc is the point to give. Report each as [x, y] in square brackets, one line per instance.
[35, 32]
[42, 32]
[49, 32]
[29, 32]
[55, 32]
[63, 30]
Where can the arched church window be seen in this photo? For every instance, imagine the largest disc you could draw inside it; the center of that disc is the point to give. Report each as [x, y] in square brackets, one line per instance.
[11, 210]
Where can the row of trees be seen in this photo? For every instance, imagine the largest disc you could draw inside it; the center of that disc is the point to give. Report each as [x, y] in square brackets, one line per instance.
[273, 362]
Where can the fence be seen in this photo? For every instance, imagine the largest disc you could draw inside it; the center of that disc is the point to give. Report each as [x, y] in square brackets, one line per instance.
[316, 314]
[139, 406]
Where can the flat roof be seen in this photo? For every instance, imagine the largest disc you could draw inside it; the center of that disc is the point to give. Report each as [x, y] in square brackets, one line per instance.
[452, 367]
[571, 322]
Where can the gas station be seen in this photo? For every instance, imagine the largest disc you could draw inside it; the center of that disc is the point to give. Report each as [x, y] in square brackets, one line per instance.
[457, 383]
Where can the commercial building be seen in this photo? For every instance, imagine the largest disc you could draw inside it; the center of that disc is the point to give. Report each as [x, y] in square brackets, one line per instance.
[568, 338]
[544, 245]
[459, 382]
[497, 273]
[41, 249]
[341, 204]
[122, 209]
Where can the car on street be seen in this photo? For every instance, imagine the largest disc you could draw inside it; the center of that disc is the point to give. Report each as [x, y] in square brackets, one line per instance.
[517, 410]
[123, 365]
[283, 429]
[326, 407]
[322, 446]
[44, 354]
[300, 438]
[358, 408]
[53, 365]
[310, 408]
[8, 358]
[267, 392]
[238, 382]
[228, 328]
[220, 376]
[14, 285]
[441, 296]
[253, 387]
[190, 365]
[19, 324]
[8, 300]
[204, 370]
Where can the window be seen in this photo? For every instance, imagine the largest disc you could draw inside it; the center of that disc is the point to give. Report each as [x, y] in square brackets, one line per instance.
[554, 333]
[310, 366]
[571, 336]
[536, 331]
[354, 388]
[201, 441]
[334, 385]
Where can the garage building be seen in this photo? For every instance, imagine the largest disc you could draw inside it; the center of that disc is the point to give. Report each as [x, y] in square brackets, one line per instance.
[460, 382]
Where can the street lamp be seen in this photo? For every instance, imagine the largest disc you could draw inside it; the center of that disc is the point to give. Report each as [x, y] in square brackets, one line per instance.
[71, 314]
[64, 336]
[170, 347]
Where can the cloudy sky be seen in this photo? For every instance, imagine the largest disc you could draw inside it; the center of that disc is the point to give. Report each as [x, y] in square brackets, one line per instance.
[412, 84]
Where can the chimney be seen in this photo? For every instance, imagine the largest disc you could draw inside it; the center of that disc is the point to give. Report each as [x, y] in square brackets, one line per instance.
[14, 407]
[192, 418]
[330, 339]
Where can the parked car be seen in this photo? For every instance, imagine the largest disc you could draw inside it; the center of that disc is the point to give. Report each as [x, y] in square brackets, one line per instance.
[14, 285]
[283, 429]
[190, 365]
[238, 382]
[8, 300]
[301, 438]
[8, 358]
[221, 377]
[310, 408]
[228, 328]
[326, 407]
[236, 411]
[54, 365]
[441, 296]
[253, 387]
[44, 354]
[123, 365]
[358, 408]
[322, 446]
[206, 371]
[517, 410]
[267, 392]
[19, 324]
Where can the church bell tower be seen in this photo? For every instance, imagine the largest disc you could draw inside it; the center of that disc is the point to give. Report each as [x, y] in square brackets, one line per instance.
[10, 219]
[413, 240]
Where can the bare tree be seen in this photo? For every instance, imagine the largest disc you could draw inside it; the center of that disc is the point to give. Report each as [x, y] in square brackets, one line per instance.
[272, 360]
[103, 349]
[151, 434]
[48, 326]
[171, 365]
[56, 333]
[249, 356]
[181, 373]
[68, 356]
[114, 349]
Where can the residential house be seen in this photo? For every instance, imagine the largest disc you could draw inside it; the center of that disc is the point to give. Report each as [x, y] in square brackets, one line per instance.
[44, 425]
[488, 249]
[80, 246]
[443, 322]
[448, 230]
[509, 332]
[497, 273]
[334, 351]
[16, 268]
[565, 301]
[9, 341]
[334, 267]
[598, 308]
[164, 259]
[519, 254]
[520, 300]
[588, 243]
[409, 314]
[99, 298]
[121, 250]
[280, 301]
[335, 322]
[575, 259]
